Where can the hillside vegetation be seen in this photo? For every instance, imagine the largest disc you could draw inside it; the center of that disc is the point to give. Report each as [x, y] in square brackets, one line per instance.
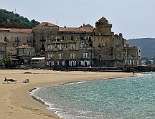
[13, 20]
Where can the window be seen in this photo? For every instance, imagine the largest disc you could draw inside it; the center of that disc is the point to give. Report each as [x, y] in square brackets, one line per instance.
[72, 38]
[72, 55]
[60, 55]
[65, 45]
[29, 40]
[63, 63]
[50, 55]
[89, 38]
[50, 47]
[59, 46]
[5, 39]
[55, 45]
[63, 38]
[72, 46]
[72, 63]
[85, 55]
[81, 38]
[82, 44]
[99, 45]
[103, 44]
[58, 63]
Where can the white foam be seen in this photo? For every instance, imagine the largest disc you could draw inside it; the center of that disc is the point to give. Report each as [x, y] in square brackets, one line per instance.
[51, 107]
[72, 83]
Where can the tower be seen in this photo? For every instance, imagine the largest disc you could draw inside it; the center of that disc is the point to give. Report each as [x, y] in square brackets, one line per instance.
[103, 26]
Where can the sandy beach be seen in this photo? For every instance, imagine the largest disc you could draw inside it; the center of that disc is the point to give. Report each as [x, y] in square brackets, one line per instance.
[15, 101]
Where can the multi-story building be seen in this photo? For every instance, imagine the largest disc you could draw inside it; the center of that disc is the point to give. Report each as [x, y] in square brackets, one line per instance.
[41, 33]
[82, 46]
[132, 56]
[15, 38]
[25, 53]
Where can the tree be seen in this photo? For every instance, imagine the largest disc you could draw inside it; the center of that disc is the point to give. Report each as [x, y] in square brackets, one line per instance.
[6, 61]
[14, 20]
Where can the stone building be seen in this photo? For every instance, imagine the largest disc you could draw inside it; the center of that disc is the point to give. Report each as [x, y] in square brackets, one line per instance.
[132, 55]
[84, 46]
[15, 38]
[25, 53]
[2, 52]
[41, 33]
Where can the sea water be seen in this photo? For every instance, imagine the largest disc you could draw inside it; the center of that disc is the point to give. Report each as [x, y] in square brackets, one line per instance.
[122, 98]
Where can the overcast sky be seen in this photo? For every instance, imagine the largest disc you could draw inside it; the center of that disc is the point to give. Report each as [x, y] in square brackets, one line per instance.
[133, 18]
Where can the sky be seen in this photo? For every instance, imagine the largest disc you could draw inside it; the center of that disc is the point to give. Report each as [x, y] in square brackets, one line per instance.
[133, 18]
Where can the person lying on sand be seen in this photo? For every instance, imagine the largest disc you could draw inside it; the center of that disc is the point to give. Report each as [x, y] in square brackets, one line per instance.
[26, 81]
[9, 80]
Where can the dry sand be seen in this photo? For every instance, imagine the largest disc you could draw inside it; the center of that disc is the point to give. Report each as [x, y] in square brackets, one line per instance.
[15, 101]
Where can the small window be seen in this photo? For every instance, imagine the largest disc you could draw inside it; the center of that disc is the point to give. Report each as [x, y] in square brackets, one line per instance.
[59, 46]
[89, 39]
[72, 55]
[72, 38]
[50, 55]
[81, 38]
[65, 45]
[99, 45]
[82, 44]
[5, 39]
[63, 38]
[85, 55]
[60, 56]
[73, 46]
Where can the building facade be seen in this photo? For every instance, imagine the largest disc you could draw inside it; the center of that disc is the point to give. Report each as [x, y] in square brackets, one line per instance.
[132, 55]
[25, 53]
[84, 46]
[15, 38]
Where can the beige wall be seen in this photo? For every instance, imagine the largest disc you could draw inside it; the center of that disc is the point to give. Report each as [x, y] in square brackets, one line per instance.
[11, 38]
[132, 56]
[107, 49]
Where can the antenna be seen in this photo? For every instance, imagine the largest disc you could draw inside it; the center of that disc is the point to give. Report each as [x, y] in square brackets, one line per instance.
[15, 10]
[56, 22]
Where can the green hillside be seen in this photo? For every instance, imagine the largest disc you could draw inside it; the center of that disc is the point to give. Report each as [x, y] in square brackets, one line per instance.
[14, 20]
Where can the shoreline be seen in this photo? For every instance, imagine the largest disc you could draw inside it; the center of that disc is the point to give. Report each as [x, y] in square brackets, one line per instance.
[40, 100]
[21, 105]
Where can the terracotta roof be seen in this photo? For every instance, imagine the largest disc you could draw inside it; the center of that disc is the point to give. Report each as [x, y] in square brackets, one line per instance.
[15, 30]
[81, 29]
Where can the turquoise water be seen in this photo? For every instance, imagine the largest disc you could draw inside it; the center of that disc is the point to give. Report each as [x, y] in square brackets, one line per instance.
[130, 98]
